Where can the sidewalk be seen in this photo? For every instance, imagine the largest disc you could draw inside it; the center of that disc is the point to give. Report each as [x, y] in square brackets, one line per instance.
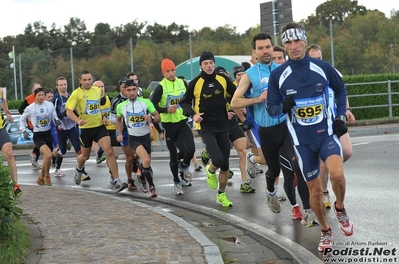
[72, 226]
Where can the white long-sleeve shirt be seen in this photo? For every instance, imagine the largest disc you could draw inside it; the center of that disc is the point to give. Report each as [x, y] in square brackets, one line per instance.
[40, 116]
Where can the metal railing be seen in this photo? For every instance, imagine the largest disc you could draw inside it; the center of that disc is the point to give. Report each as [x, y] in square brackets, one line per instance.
[389, 94]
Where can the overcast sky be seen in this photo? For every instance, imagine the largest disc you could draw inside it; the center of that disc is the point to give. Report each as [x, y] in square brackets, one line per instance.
[17, 14]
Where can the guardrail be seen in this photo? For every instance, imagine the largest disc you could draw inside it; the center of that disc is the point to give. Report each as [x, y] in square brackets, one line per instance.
[389, 93]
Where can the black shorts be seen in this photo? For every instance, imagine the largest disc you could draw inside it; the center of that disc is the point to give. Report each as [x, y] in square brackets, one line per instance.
[114, 142]
[43, 138]
[88, 135]
[145, 141]
[4, 137]
[235, 132]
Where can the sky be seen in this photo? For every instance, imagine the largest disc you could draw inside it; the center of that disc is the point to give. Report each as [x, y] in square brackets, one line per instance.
[194, 14]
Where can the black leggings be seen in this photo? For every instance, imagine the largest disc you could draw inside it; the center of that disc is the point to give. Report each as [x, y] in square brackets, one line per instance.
[218, 146]
[181, 132]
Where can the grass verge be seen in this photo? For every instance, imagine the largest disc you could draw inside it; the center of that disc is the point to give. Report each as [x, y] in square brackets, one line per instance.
[15, 248]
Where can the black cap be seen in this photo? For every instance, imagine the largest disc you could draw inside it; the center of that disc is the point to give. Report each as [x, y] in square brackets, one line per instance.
[206, 55]
[238, 69]
[220, 69]
[130, 82]
[122, 80]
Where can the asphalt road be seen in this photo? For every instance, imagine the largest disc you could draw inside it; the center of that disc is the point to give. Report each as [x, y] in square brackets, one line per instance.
[371, 199]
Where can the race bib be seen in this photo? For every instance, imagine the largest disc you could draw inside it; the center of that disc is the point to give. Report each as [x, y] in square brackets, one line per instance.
[309, 111]
[43, 121]
[135, 120]
[92, 107]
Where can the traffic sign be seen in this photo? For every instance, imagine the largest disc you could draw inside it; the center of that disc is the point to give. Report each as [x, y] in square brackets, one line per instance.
[283, 5]
[284, 16]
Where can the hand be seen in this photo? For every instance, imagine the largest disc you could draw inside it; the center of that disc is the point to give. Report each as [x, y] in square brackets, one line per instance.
[246, 125]
[119, 138]
[81, 122]
[339, 128]
[9, 117]
[349, 116]
[230, 115]
[26, 135]
[288, 103]
[57, 122]
[105, 121]
[197, 118]
[172, 109]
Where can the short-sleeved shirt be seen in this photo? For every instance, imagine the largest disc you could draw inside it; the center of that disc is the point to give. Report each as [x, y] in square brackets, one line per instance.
[133, 113]
[87, 103]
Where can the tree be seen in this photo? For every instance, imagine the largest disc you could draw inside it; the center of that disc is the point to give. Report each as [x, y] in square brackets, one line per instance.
[337, 11]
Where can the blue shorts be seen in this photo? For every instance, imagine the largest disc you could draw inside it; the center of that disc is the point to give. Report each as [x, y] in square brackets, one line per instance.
[125, 141]
[309, 155]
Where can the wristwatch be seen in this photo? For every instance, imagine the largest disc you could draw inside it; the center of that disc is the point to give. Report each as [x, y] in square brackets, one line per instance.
[341, 117]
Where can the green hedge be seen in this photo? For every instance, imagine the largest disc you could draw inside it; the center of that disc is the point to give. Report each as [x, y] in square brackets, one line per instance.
[375, 112]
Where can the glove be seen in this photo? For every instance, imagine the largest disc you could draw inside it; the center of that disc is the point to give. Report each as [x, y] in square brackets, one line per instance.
[246, 125]
[288, 104]
[57, 122]
[64, 113]
[26, 135]
[339, 128]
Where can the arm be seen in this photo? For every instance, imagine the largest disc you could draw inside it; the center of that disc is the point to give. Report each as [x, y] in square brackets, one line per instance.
[24, 105]
[57, 105]
[118, 124]
[4, 105]
[274, 97]
[22, 119]
[349, 115]
[156, 98]
[187, 101]
[239, 101]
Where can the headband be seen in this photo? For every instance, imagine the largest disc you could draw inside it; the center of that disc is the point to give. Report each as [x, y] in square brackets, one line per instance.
[293, 34]
[40, 89]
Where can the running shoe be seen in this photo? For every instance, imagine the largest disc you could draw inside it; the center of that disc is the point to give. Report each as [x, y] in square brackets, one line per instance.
[101, 159]
[280, 196]
[78, 175]
[178, 188]
[187, 175]
[59, 173]
[231, 174]
[246, 188]
[273, 202]
[222, 199]
[296, 213]
[32, 159]
[258, 170]
[130, 185]
[112, 180]
[47, 181]
[251, 167]
[205, 157]
[17, 190]
[119, 185]
[345, 226]
[143, 183]
[185, 183]
[309, 219]
[197, 166]
[325, 240]
[326, 200]
[85, 177]
[40, 181]
[211, 179]
[153, 194]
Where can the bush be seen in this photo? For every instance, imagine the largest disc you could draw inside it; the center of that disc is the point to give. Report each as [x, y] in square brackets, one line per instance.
[9, 212]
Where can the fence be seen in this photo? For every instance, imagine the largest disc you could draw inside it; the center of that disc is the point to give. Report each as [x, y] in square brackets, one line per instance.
[389, 94]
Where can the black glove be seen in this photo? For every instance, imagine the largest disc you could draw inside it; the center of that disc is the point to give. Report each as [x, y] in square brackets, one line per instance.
[26, 135]
[339, 128]
[64, 113]
[246, 125]
[57, 122]
[288, 103]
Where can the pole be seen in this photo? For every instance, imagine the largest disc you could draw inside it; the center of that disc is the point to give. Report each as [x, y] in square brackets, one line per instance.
[332, 44]
[131, 55]
[72, 75]
[15, 73]
[275, 22]
[20, 76]
[191, 57]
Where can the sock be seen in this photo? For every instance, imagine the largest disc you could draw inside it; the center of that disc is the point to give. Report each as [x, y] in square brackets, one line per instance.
[251, 159]
[326, 192]
[295, 205]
